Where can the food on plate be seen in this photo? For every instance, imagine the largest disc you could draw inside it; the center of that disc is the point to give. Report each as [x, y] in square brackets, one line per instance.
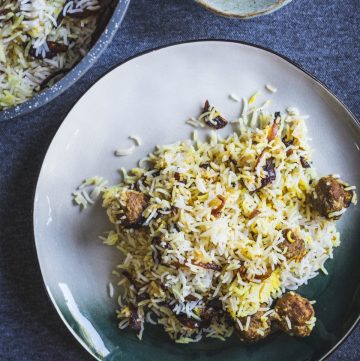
[253, 328]
[43, 39]
[131, 207]
[214, 236]
[293, 246]
[331, 197]
[211, 117]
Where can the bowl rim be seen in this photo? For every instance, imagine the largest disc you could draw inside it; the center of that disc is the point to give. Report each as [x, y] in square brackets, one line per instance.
[73, 75]
[355, 122]
[245, 15]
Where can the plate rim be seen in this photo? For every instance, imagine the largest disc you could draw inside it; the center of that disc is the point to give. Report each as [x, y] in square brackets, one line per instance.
[354, 120]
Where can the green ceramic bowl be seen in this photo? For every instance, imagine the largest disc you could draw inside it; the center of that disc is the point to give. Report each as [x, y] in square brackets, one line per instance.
[243, 9]
[173, 82]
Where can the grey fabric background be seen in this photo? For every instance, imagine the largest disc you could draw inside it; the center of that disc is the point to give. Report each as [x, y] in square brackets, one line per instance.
[321, 35]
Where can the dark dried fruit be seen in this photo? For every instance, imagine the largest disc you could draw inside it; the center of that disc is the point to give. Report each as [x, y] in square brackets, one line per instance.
[178, 177]
[156, 174]
[159, 246]
[54, 49]
[134, 322]
[216, 304]
[216, 122]
[142, 297]
[304, 162]
[188, 322]
[213, 308]
[32, 53]
[206, 317]
[287, 142]
[156, 241]
[269, 167]
[159, 242]
[204, 165]
[233, 161]
[130, 279]
[211, 266]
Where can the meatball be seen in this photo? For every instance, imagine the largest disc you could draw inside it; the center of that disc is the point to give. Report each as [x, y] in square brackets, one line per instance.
[330, 196]
[294, 314]
[258, 328]
[293, 247]
[135, 204]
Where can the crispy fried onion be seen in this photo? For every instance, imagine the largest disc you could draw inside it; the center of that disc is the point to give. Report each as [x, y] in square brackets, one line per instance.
[216, 212]
[275, 127]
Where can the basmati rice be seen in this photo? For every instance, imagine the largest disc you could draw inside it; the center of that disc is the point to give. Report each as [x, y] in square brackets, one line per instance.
[208, 215]
[41, 39]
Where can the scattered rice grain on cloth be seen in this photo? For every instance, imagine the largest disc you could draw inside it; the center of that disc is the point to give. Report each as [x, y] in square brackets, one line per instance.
[215, 214]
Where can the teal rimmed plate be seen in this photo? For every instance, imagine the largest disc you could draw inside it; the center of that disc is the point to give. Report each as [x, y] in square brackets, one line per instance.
[152, 95]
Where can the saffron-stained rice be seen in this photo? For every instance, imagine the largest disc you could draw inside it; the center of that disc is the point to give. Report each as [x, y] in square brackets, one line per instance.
[211, 231]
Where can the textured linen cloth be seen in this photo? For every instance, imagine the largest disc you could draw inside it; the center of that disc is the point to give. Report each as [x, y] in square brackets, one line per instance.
[322, 36]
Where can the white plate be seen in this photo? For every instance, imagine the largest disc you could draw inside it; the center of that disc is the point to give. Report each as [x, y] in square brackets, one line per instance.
[151, 96]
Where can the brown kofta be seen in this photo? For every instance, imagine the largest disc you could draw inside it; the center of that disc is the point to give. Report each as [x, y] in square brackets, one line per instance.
[294, 314]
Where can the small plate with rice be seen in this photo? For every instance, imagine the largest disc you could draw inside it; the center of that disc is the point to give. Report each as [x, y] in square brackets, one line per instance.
[46, 45]
[216, 232]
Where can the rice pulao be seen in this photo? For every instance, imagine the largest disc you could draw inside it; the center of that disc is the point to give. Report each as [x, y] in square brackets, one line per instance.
[216, 236]
[40, 40]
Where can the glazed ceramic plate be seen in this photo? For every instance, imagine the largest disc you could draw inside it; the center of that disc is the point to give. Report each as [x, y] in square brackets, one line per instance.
[151, 96]
[243, 8]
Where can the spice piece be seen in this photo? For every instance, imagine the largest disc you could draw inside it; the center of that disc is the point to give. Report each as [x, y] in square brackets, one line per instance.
[216, 212]
[213, 119]
[304, 163]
